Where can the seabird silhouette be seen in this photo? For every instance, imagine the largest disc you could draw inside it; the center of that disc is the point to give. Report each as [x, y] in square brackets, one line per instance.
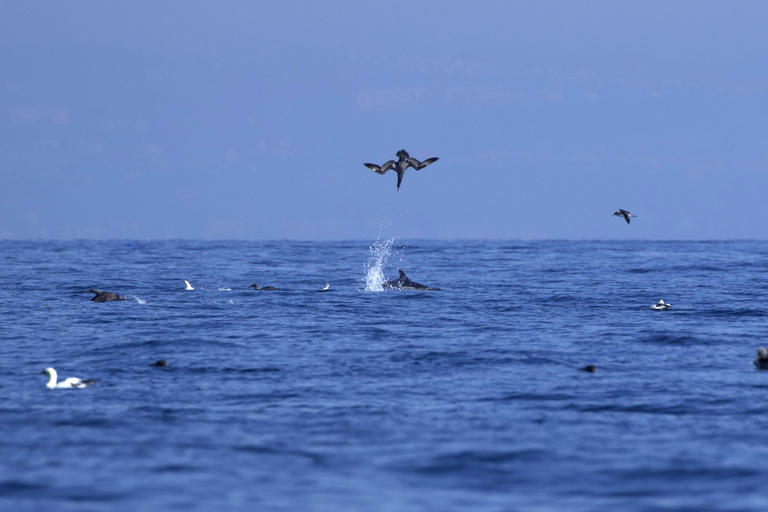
[105, 296]
[161, 362]
[70, 383]
[625, 214]
[403, 283]
[590, 368]
[404, 161]
[48, 308]
[761, 361]
[327, 287]
[265, 288]
[189, 286]
[662, 306]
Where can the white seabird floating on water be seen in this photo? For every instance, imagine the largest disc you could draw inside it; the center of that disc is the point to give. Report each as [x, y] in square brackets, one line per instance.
[662, 306]
[189, 286]
[69, 383]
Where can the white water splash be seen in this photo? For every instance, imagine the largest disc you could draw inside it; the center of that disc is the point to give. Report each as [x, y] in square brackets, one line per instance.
[374, 269]
[139, 300]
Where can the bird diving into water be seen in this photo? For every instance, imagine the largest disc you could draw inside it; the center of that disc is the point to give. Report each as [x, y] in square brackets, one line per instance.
[404, 161]
[625, 214]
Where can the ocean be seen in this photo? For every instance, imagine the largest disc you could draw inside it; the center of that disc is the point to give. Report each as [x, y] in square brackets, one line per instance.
[358, 399]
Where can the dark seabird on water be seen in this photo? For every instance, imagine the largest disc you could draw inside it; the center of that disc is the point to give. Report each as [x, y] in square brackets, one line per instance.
[161, 362]
[590, 368]
[404, 161]
[761, 361]
[403, 283]
[662, 306]
[265, 288]
[105, 296]
[625, 214]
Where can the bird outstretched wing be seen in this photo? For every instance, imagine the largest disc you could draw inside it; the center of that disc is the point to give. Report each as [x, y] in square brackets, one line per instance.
[420, 165]
[383, 169]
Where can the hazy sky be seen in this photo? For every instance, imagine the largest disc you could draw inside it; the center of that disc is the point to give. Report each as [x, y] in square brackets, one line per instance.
[252, 120]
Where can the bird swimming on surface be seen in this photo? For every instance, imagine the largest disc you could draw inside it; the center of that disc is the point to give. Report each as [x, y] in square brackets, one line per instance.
[403, 283]
[189, 286]
[589, 368]
[105, 296]
[662, 306]
[404, 161]
[161, 362]
[761, 361]
[625, 214]
[70, 383]
[265, 288]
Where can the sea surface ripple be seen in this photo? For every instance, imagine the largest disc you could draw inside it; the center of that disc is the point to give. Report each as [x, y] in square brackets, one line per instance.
[355, 399]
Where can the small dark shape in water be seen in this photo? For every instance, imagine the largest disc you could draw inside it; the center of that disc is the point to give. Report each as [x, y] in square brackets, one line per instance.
[403, 283]
[761, 361]
[105, 296]
[404, 161]
[161, 362]
[48, 308]
[589, 368]
[625, 214]
[265, 288]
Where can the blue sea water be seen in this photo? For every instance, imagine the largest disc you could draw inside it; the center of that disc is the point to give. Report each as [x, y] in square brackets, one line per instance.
[469, 398]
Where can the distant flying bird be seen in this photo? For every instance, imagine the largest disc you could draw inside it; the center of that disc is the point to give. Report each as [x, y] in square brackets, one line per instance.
[189, 286]
[404, 161]
[625, 214]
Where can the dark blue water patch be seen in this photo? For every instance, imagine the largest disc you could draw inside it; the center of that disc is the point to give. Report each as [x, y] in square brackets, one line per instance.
[465, 399]
[734, 313]
[669, 338]
[18, 487]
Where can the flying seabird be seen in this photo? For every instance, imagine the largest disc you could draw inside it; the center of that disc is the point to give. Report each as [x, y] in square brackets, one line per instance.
[625, 214]
[404, 161]
[661, 305]
[265, 288]
[189, 286]
[105, 296]
[327, 287]
[761, 361]
[70, 383]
